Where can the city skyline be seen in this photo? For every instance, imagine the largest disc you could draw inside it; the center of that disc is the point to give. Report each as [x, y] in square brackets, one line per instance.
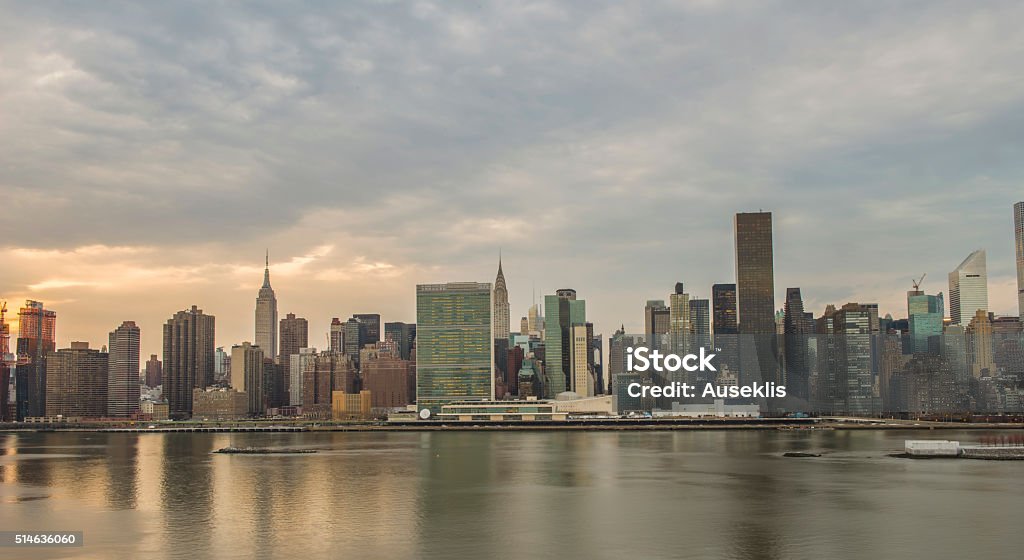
[349, 155]
[634, 320]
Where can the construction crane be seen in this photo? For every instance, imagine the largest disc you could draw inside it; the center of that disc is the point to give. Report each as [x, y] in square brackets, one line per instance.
[917, 283]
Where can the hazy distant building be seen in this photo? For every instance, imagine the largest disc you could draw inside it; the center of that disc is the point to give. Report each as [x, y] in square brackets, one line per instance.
[154, 371]
[500, 313]
[1018, 237]
[36, 329]
[266, 315]
[968, 288]
[755, 297]
[657, 319]
[980, 351]
[188, 344]
[76, 382]
[561, 312]
[247, 376]
[454, 343]
[294, 337]
[123, 371]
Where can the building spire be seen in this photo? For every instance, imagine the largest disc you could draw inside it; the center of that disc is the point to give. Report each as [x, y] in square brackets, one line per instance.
[266, 271]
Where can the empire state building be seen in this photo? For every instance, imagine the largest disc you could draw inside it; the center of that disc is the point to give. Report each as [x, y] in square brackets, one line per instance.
[266, 315]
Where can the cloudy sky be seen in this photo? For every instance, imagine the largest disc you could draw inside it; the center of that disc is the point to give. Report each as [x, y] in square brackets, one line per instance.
[150, 152]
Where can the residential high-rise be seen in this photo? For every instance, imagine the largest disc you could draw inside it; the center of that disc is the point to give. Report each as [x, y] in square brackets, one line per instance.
[36, 329]
[76, 382]
[294, 336]
[188, 358]
[154, 371]
[1018, 238]
[266, 315]
[247, 375]
[755, 297]
[123, 371]
[404, 335]
[372, 322]
[302, 365]
[968, 288]
[501, 311]
[561, 312]
[454, 341]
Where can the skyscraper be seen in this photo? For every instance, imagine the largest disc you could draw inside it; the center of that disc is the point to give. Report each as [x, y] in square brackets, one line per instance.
[679, 326]
[266, 315]
[755, 296]
[796, 331]
[372, 322]
[247, 375]
[355, 337]
[723, 323]
[337, 335]
[501, 311]
[123, 371]
[294, 336]
[7, 359]
[657, 317]
[968, 288]
[404, 335]
[76, 382]
[700, 323]
[36, 329]
[855, 379]
[925, 315]
[1018, 238]
[188, 358]
[454, 356]
[561, 312]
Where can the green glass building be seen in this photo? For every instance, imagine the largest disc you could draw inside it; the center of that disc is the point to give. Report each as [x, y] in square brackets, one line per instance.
[454, 355]
[561, 312]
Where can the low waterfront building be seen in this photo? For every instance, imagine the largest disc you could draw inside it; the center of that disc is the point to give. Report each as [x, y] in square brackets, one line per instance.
[717, 409]
[349, 406]
[155, 411]
[219, 404]
[531, 410]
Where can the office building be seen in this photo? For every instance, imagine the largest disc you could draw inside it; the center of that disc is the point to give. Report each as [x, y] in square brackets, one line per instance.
[294, 337]
[219, 403]
[36, 329]
[123, 371]
[188, 343]
[1018, 238]
[679, 327]
[968, 288]
[723, 325]
[372, 322]
[657, 318]
[266, 315]
[76, 382]
[356, 336]
[337, 335]
[500, 313]
[351, 406]
[795, 331]
[404, 335]
[925, 314]
[700, 323]
[454, 341]
[7, 360]
[561, 312]
[388, 379]
[247, 376]
[755, 297]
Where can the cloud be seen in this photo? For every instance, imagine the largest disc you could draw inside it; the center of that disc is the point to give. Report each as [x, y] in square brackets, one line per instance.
[148, 156]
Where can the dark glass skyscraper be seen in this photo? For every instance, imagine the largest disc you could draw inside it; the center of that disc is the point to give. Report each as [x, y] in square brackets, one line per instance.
[723, 324]
[796, 332]
[755, 297]
[372, 322]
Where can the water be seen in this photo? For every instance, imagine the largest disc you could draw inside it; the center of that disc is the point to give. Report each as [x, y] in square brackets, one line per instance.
[702, 494]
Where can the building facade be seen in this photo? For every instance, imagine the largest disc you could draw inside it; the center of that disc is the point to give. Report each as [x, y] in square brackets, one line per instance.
[188, 364]
[968, 288]
[76, 382]
[266, 315]
[454, 340]
[123, 371]
[36, 334]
